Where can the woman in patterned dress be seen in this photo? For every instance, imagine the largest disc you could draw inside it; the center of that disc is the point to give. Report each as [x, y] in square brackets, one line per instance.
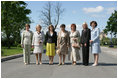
[62, 43]
[74, 44]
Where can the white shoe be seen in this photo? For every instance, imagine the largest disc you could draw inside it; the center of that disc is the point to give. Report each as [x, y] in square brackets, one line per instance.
[40, 63]
[37, 63]
[94, 64]
[26, 63]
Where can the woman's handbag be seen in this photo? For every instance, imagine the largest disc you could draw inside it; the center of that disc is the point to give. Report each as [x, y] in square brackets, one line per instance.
[58, 51]
[76, 45]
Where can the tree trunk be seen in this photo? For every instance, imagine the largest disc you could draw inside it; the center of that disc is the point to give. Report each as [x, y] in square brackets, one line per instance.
[8, 42]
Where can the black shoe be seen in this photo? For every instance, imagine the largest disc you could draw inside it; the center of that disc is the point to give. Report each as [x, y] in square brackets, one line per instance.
[86, 64]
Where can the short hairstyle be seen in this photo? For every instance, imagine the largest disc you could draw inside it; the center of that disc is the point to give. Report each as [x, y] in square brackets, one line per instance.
[38, 26]
[50, 26]
[73, 25]
[27, 25]
[85, 24]
[94, 23]
[62, 25]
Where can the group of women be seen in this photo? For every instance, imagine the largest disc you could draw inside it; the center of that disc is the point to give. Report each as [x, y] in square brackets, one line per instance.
[64, 43]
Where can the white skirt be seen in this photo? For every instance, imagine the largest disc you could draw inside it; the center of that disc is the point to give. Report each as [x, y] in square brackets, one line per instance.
[38, 49]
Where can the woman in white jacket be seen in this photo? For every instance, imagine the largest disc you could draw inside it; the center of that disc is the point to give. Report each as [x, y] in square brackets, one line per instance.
[37, 43]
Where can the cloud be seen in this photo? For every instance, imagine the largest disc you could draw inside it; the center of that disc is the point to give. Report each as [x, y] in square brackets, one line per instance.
[94, 15]
[93, 9]
[74, 12]
[107, 11]
[97, 16]
[110, 10]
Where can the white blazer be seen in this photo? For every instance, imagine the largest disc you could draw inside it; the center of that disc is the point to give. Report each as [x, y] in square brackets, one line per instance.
[38, 37]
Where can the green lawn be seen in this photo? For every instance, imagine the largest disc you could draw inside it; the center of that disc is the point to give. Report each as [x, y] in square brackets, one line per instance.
[12, 51]
[115, 46]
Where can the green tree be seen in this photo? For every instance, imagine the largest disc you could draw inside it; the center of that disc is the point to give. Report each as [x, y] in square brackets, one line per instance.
[13, 18]
[105, 41]
[112, 25]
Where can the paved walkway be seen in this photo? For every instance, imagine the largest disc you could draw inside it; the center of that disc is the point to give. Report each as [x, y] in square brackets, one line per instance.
[16, 69]
[111, 51]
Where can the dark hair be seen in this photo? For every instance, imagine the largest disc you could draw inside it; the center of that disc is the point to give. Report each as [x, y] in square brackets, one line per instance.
[27, 25]
[73, 25]
[51, 26]
[94, 23]
[62, 25]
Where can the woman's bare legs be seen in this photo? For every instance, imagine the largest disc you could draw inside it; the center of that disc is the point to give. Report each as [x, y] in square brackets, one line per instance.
[36, 58]
[64, 59]
[60, 59]
[96, 57]
[52, 57]
[40, 56]
[49, 59]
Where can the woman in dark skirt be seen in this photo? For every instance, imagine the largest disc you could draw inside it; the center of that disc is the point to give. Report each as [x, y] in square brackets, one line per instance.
[85, 37]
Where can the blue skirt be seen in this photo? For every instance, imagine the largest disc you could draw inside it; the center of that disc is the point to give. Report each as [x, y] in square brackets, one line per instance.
[95, 48]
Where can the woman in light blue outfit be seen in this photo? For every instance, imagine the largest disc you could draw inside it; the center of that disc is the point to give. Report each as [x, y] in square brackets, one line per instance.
[95, 42]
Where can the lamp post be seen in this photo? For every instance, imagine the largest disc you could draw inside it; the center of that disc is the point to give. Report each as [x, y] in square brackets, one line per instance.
[111, 44]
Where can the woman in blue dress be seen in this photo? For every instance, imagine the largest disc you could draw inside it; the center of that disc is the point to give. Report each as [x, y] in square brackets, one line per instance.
[95, 42]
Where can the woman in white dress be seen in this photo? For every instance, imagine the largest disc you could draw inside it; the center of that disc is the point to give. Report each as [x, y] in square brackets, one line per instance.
[37, 43]
[74, 45]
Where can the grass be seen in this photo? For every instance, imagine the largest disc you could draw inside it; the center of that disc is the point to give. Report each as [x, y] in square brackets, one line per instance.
[115, 46]
[12, 51]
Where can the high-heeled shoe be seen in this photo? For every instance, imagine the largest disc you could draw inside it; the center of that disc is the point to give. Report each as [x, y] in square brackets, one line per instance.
[94, 64]
[74, 63]
[40, 63]
[37, 63]
[49, 63]
[59, 64]
[26, 63]
[63, 63]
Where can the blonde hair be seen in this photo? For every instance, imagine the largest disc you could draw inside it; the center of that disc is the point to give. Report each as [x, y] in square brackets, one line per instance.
[38, 26]
[85, 24]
